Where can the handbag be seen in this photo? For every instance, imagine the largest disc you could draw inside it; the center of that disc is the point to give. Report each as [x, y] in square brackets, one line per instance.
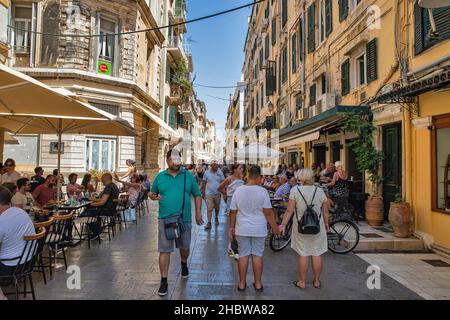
[310, 221]
[174, 225]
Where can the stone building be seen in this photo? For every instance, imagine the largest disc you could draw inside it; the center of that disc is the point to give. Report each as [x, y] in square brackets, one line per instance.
[124, 75]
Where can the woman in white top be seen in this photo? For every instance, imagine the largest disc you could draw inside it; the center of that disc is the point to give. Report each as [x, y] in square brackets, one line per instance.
[11, 175]
[230, 184]
[307, 245]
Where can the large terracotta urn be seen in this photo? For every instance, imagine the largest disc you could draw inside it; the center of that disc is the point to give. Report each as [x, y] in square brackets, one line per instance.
[375, 211]
[400, 219]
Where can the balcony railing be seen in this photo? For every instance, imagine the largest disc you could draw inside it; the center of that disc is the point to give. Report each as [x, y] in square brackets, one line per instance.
[180, 10]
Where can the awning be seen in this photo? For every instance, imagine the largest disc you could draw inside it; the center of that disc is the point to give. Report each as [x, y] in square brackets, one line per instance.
[301, 138]
[161, 123]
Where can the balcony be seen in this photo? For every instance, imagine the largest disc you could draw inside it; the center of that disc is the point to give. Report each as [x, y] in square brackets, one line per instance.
[175, 48]
[175, 94]
[178, 14]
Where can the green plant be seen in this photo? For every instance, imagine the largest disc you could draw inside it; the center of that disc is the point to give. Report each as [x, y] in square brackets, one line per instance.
[398, 198]
[181, 78]
[368, 158]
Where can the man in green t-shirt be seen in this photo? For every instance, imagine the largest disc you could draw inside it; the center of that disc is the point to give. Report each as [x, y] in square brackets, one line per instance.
[168, 190]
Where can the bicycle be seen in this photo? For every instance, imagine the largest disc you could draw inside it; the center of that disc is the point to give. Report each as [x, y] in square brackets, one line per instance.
[343, 234]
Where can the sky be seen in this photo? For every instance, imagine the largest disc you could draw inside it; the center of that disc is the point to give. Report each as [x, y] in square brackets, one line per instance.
[217, 46]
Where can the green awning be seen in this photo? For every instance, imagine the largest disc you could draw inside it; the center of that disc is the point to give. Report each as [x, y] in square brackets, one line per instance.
[328, 117]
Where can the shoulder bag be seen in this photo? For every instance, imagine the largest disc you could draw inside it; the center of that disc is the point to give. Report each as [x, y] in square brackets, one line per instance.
[174, 225]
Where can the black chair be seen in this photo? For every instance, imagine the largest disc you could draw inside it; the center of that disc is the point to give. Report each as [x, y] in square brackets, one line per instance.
[141, 203]
[23, 271]
[39, 262]
[55, 242]
[122, 206]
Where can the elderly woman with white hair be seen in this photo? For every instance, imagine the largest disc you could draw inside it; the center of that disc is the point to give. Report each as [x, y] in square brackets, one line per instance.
[308, 245]
[339, 185]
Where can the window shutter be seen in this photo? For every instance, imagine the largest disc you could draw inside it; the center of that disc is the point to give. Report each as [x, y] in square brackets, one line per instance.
[284, 13]
[266, 47]
[343, 10]
[345, 77]
[300, 40]
[418, 29]
[312, 95]
[329, 16]
[442, 20]
[274, 31]
[311, 29]
[372, 61]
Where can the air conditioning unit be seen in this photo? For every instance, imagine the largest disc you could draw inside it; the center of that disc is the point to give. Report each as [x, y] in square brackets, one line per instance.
[325, 102]
[265, 24]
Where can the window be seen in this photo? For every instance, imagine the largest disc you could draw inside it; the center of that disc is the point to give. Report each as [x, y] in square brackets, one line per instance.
[262, 95]
[343, 10]
[285, 65]
[323, 83]
[100, 154]
[361, 75]
[354, 4]
[441, 163]
[311, 28]
[372, 61]
[22, 23]
[325, 19]
[424, 38]
[294, 53]
[266, 47]
[261, 59]
[107, 43]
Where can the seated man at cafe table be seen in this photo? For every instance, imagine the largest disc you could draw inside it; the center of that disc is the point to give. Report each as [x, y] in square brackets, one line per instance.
[284, 189]
[103, 206]
[22, 198]
[45, 194]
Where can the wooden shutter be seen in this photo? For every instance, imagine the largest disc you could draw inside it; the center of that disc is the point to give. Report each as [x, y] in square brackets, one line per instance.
[328, 17]
[312, 95]
[343, 10]
[266, 47]
[372, 61]
[274, 31]
[442, 20]
[300, 40]
[418, 29]
[345, 77]
[284, 13]
[311, 28]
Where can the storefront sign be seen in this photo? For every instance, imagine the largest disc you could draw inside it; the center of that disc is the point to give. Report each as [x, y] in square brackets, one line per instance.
[104, 67]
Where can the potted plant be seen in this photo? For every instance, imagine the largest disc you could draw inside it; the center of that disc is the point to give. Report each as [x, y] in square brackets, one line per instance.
[400, 217]
[368, 160]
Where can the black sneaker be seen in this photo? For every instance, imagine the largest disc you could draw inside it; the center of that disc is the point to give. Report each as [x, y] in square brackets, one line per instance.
[163, 289]
[184, 271]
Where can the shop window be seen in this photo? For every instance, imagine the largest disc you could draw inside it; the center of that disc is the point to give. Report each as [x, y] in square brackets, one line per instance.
[441, 165]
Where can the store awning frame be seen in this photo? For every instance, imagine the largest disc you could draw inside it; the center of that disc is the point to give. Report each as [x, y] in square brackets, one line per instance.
[161, 123]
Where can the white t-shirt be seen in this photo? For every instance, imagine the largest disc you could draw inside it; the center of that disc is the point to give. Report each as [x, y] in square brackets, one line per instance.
[14, 225]
[249, 201]
[22, 200]
[10, 177]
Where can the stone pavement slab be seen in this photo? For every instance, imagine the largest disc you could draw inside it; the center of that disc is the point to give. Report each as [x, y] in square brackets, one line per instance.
[127, 268]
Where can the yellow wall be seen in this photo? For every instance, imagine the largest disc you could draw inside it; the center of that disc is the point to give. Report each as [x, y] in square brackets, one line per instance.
[436, 224]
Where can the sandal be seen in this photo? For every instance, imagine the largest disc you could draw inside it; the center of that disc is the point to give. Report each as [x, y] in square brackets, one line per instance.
[208, 226]
[258, 289]
[319, 286]
[239, 289]
[295, 283]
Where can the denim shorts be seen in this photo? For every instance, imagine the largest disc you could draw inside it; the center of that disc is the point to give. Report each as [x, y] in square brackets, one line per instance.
[164, 245]
[251, 246]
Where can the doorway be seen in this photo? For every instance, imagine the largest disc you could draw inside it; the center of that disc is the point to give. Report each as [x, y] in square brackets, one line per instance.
[392, 164]
[320, 154]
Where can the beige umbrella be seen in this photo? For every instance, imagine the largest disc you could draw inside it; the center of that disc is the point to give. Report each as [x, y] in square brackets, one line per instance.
[9, 139]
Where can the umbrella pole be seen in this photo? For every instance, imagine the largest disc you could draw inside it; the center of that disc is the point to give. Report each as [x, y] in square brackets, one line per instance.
[58, 183]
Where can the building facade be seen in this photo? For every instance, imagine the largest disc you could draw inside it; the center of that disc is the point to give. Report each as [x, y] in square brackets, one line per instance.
[309, 63]
[121, 74]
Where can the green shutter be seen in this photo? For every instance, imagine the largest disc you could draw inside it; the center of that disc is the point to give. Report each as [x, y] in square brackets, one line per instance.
[300, 40]
[343, 10]
[284, 13]
[418, 29]
[372, 61]
[266, 47]
[274, 31]
[345, 77]
[311, 29]
[442, 20]
[312, 95]
[329, 17]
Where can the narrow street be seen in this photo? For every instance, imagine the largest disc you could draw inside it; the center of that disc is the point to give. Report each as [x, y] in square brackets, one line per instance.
[127, 268]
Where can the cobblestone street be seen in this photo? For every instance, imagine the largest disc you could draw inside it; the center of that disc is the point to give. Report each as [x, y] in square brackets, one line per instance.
[127, 268]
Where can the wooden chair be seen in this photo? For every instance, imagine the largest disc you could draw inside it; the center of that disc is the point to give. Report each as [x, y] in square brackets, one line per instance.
[39, 261]
[23, 271]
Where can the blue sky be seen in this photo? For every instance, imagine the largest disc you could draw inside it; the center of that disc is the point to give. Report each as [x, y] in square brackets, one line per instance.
[217, 48]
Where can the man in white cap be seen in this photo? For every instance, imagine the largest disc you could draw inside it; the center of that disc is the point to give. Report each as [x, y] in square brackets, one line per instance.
[210, 191]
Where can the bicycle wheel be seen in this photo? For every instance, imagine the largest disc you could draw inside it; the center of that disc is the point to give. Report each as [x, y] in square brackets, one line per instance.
[278, 243]
[343, 236]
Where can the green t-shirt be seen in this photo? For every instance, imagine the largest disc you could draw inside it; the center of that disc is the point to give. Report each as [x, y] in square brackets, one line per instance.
[170, 189]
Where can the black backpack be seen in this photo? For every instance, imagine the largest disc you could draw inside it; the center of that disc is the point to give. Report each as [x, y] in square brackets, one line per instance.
[310, 221]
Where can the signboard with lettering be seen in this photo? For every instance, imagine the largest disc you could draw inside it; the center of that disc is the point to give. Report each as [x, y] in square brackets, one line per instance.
[104, 67]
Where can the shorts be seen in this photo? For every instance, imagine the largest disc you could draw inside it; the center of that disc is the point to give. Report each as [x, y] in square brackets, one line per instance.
[164, 245]
[213, 202]
[5, 272]
[251, 246]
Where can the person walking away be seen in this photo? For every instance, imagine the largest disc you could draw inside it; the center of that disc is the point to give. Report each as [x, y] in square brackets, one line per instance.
[210, 192]
[307, 245]
[10, 175]
[250, 211]
[227, 188]
[172, 188]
